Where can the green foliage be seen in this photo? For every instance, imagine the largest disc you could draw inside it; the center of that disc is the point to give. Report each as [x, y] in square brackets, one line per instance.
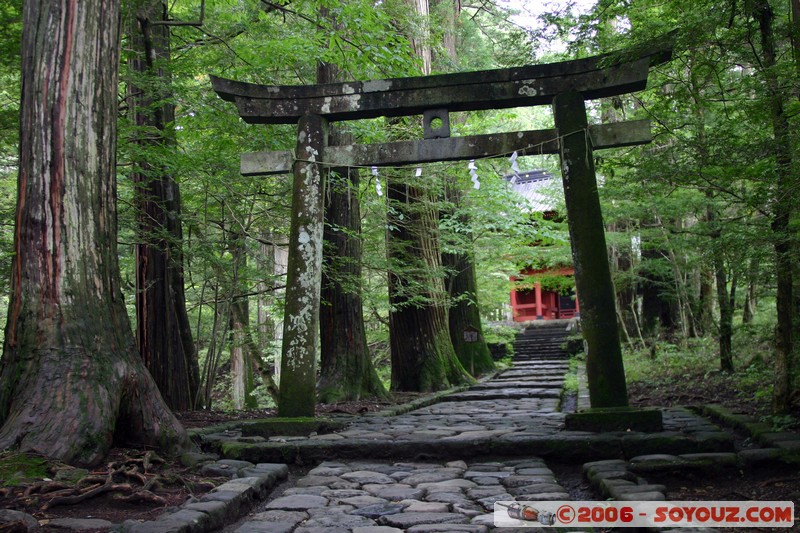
[781, 422]
[670, 359]
[500, 334]
[10, 43]
[701, 196]
[665, 363]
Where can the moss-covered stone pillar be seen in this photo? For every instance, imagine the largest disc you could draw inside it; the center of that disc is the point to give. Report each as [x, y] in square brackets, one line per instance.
[297, 395]
[604, 366]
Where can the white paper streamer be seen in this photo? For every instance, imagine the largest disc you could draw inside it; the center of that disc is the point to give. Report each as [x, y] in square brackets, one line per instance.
[514, 165]
[473, 173]
[378, 188]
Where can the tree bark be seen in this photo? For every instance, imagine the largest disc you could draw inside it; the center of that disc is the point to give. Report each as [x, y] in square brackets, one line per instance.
[423, 358]
[241, 369]
[72, 381]
[751, 295]
[464, 314]
[657, 292]
[422, 354]
[725, 313]
[346, 369]
[705, 318]
[419, 33]
[783, 209]
[163, 331]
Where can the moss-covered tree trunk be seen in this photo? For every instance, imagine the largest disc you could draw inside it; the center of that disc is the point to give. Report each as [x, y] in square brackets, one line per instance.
[346, 369]
[422, 354]
[163, 332]
[725, 303]
[242, 383]
[242, 376]
[463, 316]
[423, 358]
[784, 207]
[72, 381]
[657, 291]
[705, 306]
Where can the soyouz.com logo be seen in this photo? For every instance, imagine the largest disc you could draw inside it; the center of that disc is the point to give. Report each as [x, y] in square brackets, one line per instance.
[644, 514]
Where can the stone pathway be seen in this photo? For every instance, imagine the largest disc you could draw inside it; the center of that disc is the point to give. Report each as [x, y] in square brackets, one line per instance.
[441, 467]
[516, 413]
[373, 497]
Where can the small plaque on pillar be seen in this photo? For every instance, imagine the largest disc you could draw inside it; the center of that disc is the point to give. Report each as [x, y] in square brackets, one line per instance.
[471, 334]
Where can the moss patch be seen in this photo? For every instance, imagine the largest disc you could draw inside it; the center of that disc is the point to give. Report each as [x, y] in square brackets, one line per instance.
[20, 468]
[290, 427]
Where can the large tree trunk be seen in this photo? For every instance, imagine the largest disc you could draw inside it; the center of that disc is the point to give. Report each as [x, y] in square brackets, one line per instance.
[464, 318]
[72, 381]
[163, 331]
[751, 295]
[658, 316]
[783, 209]
[423, 358]
[241, 370]
[705, 311]
[346, 369]
[725, 333]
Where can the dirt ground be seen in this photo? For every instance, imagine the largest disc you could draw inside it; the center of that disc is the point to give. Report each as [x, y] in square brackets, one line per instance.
[127, 488]
[169, 483]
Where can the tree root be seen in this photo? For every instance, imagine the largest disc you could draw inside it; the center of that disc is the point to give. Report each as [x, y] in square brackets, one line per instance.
[85, 495]
[130, 480]
[141, 496]
[777, 481]
[44, 487]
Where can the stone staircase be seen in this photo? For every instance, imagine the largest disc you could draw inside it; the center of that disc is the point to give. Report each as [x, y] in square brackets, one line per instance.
[541, 342]
[539, 365]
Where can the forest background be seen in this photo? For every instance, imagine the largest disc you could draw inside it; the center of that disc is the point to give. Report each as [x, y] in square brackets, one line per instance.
[702, 224]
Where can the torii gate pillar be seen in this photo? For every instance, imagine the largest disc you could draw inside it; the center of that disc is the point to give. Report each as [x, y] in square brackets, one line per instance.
[604, 366]
[298, 396]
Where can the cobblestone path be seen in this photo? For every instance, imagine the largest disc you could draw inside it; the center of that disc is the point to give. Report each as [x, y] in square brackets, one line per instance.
[441, 467]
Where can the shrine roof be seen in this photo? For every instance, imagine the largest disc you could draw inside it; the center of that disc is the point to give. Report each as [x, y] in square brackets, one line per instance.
[541, 189]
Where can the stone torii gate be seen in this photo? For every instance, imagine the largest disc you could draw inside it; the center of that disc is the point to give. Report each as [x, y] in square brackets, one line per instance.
[564, 85]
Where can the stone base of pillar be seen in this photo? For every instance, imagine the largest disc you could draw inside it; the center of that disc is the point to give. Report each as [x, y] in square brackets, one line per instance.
[604, 419]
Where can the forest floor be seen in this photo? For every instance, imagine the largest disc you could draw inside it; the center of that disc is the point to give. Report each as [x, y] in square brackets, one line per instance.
[169, 483]
[704, 388]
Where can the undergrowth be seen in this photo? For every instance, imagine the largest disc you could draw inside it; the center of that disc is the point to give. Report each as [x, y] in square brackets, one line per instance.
[692, 371]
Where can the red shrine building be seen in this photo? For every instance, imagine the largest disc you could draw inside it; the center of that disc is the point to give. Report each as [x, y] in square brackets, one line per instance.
[531, 297]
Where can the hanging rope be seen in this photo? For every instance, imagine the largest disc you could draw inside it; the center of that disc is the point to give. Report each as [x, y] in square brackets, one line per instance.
[472, 166]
